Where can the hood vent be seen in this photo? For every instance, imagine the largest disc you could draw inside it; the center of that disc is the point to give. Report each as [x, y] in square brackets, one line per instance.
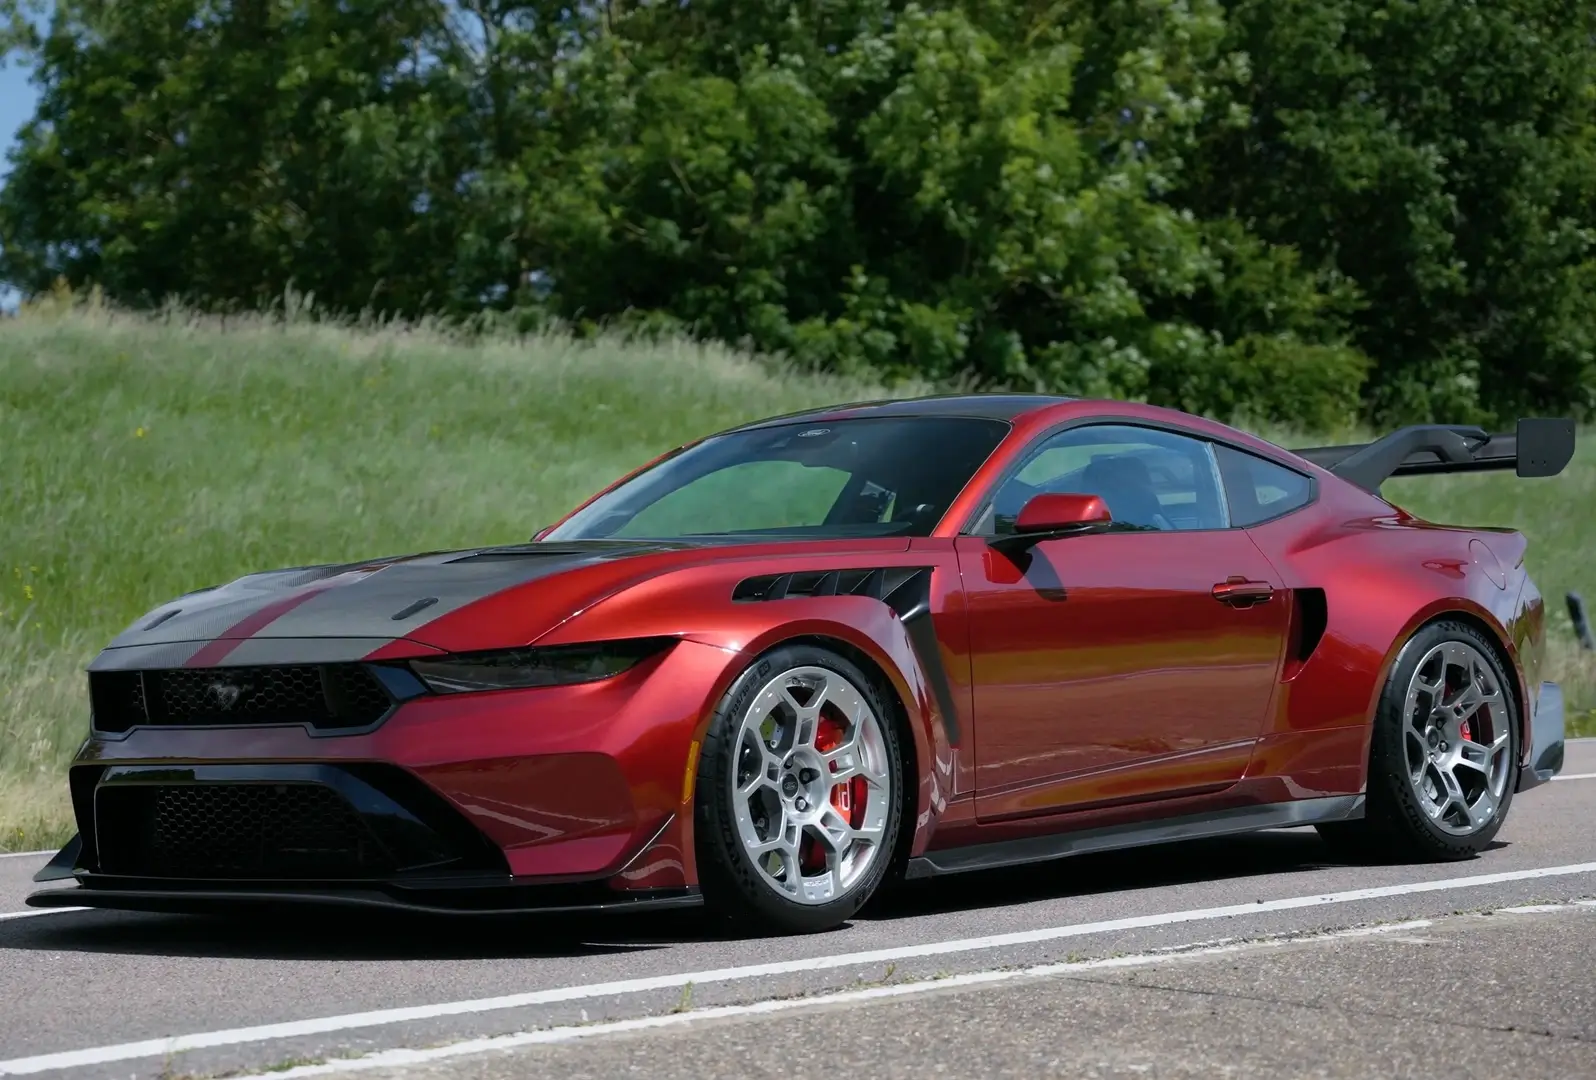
[410, 609]
[163, 617]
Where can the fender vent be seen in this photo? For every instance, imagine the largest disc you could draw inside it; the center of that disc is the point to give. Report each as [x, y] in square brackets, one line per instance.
[904, 589]
[876, 583]
[1309, 616]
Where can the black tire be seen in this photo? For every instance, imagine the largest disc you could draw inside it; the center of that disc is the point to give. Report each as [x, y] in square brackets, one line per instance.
[733, 886]
[1395, 826]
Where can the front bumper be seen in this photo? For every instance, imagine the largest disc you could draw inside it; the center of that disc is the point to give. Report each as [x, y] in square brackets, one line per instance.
[201, 838]
[555, 798]
[1547, 739]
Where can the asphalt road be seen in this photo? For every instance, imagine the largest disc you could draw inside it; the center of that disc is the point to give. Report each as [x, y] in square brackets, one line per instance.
[1254, 956]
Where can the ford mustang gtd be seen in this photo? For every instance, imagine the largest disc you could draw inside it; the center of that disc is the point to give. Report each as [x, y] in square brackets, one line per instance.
[786, 663]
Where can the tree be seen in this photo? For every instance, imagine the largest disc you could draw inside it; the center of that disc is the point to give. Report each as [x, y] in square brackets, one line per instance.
[221, 152]
[974, 190]
[1297, 210]
[1439, 154]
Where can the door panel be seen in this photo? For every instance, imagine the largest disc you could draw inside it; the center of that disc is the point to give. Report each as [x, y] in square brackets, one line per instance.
[1106, 669]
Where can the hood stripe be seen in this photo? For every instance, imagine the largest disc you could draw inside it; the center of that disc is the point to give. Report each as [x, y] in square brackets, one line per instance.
[235, 635]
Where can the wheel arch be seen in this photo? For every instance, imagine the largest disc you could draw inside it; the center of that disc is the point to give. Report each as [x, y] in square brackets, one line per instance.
[870, 635]
[1497, 637]
[751, 667]
[908, 739]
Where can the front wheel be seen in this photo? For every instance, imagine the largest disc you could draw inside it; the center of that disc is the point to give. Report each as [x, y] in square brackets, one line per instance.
[799, 792]
[1443, 754]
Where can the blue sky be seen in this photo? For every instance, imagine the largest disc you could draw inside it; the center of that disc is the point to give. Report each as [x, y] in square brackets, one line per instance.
[16, 101]
[16, 105]
[17, 98]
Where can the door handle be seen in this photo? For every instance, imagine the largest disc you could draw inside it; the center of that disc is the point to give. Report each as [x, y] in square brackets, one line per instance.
[1239, 592]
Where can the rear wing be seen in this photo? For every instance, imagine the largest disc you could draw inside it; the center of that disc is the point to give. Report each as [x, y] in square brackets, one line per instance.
[1539, 447]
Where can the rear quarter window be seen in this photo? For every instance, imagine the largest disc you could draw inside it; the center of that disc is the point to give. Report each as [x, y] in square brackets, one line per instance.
[1258, 489]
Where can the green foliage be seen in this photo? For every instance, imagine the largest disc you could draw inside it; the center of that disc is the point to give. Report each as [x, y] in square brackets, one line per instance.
[146, 458]
[1440, 154]
[185, 149]
[1284, 209]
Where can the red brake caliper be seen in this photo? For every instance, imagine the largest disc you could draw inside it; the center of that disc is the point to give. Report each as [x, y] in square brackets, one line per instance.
[847, 797]
[1462, 728]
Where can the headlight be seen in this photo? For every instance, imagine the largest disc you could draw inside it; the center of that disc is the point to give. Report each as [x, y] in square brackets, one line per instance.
[557, 665]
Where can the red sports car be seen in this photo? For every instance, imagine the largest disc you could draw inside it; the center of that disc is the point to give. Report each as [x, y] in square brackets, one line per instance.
[783, 664]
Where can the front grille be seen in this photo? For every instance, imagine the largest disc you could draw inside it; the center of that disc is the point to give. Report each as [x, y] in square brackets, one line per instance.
[259, 830]
[271, 821]
[241, 693]
[325, 696]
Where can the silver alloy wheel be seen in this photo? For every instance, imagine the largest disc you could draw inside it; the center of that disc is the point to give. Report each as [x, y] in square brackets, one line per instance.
[811, 785]
[1457, 739]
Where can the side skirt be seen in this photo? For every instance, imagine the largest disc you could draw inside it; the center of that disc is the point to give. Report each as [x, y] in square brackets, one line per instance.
[1033, 849]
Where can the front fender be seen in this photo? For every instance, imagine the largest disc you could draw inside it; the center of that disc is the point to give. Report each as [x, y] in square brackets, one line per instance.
[888, 622]
[872, 628]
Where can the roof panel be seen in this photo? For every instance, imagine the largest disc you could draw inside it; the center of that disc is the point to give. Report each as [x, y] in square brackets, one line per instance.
[988, 406]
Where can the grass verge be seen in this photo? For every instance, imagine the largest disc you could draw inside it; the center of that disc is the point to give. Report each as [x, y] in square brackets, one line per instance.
[143, 458]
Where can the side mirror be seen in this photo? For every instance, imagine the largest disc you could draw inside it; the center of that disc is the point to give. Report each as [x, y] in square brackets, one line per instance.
[1051, 516]
[1062, 513]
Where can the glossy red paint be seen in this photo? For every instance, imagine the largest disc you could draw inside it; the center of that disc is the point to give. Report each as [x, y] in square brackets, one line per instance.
[568, 781]
[1087, 680]
[1105, 668]
[695, 603]
[1048, 512]
[1386, 574]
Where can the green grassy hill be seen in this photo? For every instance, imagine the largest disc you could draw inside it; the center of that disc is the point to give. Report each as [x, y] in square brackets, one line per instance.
[142, 459]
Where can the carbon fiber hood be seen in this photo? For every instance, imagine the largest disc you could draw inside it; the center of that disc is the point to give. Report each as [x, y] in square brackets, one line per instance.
[375, 599]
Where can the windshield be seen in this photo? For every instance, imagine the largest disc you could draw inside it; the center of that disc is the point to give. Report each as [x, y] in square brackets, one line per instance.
[878, 476]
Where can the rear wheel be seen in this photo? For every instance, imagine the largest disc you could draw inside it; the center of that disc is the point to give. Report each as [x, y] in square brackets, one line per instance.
[1443, 754]
[799, 792]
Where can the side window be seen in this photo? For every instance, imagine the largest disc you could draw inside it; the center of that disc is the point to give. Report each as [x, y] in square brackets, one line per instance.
[1259, 489]
[1150, 479]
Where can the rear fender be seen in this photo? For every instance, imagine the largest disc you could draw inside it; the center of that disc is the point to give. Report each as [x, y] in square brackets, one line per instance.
[1384, 576]
[1483, 619]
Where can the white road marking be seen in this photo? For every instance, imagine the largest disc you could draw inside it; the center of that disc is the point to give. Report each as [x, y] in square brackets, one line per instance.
[1577, 776]
[4, 915]
[402, 1057]
[176, 1044]
[23, 854]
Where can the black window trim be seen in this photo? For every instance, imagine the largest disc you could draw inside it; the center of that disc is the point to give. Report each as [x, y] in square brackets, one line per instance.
[1031, 449]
